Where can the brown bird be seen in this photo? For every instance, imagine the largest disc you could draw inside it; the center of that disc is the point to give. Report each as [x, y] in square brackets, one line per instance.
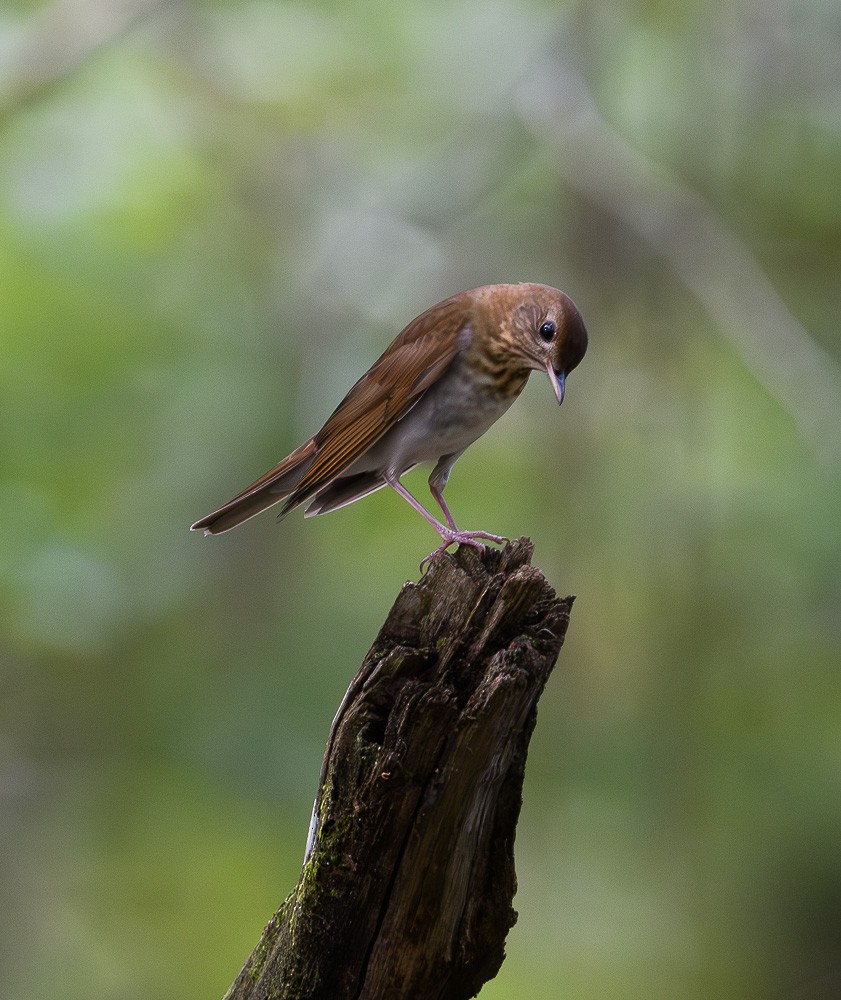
[443, 381]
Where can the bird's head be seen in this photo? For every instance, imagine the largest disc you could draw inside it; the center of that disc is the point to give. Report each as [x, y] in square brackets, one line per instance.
[549, 333]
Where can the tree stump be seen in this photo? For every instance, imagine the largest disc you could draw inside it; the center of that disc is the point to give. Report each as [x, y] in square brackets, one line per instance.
[407, 885]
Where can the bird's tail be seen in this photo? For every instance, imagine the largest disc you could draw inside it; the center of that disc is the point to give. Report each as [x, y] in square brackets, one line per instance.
[342, 491]
[269, 489]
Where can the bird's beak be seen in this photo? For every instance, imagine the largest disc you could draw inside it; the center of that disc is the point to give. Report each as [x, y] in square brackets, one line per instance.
[556, 380]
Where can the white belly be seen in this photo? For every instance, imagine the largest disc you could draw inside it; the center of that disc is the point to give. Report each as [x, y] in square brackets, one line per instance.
[451, 415]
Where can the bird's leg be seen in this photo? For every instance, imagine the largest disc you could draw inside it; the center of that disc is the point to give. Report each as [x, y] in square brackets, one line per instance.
[437, 482]
[450, 535]
[442, 529]
[463, 535]
[438, 494]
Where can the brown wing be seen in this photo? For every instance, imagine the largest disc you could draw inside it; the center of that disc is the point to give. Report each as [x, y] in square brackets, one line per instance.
[414, 361]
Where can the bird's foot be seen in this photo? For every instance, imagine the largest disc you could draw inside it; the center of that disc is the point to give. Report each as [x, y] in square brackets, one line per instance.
[461, 538]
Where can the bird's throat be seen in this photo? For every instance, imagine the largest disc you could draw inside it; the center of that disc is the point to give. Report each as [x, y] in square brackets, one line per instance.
[500, 368]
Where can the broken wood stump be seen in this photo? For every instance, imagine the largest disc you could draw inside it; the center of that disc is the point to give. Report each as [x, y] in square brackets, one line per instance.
[408, 880]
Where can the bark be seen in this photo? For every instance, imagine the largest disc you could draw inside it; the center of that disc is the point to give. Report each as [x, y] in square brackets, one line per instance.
[407, 886]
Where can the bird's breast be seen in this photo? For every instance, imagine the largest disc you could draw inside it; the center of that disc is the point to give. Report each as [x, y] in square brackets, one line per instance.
[448, 417]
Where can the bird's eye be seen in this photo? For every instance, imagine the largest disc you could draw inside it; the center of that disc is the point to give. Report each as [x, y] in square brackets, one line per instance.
[547, 331]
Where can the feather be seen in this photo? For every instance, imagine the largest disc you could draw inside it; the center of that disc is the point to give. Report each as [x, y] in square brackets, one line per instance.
[413, 362]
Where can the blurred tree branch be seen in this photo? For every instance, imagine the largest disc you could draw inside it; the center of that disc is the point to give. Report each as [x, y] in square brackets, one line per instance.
[407, 884]
[708, 256]
[60, 40]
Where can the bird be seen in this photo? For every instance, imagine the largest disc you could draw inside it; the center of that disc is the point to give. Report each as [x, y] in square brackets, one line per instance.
[441, 383]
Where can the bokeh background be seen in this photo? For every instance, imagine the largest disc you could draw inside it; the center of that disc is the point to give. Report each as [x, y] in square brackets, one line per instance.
[213, 217]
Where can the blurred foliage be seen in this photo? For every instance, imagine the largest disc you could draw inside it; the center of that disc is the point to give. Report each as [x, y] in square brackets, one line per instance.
[213, 217]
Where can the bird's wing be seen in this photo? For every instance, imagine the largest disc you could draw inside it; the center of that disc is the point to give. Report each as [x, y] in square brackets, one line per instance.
[413, 362]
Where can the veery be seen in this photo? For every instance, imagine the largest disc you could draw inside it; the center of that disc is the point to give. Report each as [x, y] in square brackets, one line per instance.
[442, 382]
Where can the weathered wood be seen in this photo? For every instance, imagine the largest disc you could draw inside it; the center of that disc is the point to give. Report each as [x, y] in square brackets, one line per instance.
[407, 885]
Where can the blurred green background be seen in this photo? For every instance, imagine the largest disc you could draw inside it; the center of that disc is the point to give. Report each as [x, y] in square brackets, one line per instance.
[213, 217]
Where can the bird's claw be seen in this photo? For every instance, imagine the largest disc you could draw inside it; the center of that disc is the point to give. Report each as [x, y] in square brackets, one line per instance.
[461, 538]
